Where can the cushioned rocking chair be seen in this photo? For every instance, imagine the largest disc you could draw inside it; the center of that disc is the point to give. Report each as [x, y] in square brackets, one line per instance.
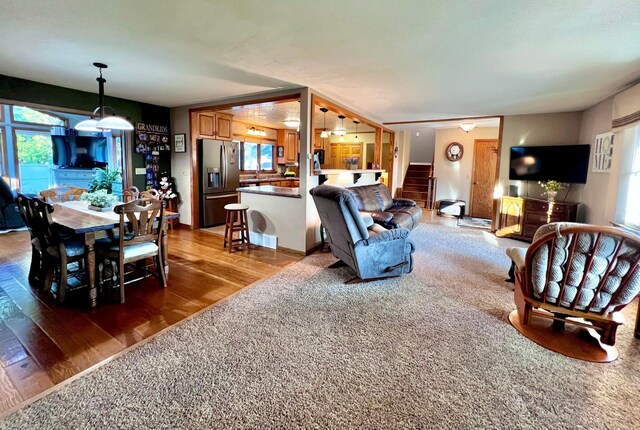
[578, 274]
[372, 254]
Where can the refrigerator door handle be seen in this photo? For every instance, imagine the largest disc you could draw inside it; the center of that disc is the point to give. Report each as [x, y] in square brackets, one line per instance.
[223, 163]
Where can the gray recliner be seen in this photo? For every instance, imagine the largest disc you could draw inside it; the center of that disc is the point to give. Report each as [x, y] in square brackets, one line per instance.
[371, 253]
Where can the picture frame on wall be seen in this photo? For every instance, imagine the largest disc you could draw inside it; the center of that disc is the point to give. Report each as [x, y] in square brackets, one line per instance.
[179, 142]
[602, 153]
[280, 151]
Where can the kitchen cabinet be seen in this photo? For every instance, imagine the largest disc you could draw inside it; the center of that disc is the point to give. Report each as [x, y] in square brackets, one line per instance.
[291, 143]
[319, 142]
[214, 125]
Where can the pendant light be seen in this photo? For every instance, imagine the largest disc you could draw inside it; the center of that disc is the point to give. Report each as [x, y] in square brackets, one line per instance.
[340, 131]
[98, 121]
[356, 140]
[324, 133]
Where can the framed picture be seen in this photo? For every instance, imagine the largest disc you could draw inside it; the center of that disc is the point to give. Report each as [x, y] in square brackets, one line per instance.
[602, 153]
[179, 142]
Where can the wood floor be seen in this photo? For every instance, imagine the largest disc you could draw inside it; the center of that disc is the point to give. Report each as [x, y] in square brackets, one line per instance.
[43, 343]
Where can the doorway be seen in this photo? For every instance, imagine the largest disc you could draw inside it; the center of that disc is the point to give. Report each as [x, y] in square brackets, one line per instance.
[483, 182]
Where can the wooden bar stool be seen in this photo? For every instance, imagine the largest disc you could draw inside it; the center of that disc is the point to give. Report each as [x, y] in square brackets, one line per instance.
[236, 222]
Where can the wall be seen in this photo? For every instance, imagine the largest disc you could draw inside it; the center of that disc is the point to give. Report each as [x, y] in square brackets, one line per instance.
[15, 89]
[423, 146]
[401, 161]
[454, 177]
[561, 128]
[596, 120]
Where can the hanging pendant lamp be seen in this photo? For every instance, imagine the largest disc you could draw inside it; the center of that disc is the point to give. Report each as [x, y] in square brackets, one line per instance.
[340, 131]
[99, 121]
[356, 140]
[324, 133]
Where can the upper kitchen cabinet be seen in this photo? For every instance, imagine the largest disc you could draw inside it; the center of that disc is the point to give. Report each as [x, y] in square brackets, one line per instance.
[290, 141]
[214, 125]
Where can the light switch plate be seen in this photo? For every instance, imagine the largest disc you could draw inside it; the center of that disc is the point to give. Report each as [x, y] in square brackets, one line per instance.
[141, 171]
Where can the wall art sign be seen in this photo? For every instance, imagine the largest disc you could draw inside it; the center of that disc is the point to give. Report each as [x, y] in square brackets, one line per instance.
[602, 153]
[151, 140]
[179, 143]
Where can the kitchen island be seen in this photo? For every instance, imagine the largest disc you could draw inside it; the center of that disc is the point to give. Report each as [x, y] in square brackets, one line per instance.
[271, 190]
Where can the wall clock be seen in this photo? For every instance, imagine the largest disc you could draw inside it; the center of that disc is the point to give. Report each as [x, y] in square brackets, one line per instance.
[454, 151]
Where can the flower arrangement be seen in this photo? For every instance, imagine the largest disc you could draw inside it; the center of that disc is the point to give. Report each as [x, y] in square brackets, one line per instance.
[352, 162]
[99, 200]
[551, 188]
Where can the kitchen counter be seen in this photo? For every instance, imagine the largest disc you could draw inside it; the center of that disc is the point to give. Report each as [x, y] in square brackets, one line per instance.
[338, 171]
[272, 179]
[271, 190]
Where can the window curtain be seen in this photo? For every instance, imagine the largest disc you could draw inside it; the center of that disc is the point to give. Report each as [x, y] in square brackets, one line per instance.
[626, 109]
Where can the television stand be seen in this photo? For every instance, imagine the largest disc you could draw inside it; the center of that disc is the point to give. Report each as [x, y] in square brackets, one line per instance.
[520, 217]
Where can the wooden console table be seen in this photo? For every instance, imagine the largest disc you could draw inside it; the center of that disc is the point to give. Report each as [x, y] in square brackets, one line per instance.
[519, 217]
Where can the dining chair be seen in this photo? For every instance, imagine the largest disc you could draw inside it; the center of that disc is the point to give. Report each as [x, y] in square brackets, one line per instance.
[65, 193]
[150, 194]
[140, 238]
[130, 194]
[58, 252]
[37, 268]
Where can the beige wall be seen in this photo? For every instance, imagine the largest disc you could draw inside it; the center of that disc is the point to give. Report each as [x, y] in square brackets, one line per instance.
[561, 128]
[595, 120]
[423, 146]
[454, 177]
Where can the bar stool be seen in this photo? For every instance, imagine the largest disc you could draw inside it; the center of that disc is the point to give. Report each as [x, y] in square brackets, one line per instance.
[236, 221]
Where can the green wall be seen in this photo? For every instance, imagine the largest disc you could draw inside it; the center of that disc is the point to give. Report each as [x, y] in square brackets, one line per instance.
[22, 90]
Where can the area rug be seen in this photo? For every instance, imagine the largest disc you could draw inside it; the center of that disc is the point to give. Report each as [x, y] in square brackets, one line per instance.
[475, 223]
[432, 349]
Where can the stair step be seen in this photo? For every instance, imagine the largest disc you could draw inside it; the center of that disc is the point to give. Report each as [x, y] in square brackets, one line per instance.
[415, 196]
[416, 188]
[421, 167]
[415, 181]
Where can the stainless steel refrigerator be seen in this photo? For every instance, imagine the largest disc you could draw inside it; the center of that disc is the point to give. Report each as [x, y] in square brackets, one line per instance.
[219, 179]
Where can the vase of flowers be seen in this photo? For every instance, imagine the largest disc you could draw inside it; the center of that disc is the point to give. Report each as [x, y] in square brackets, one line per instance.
[352, 162]
[551, 188]
[100, 200]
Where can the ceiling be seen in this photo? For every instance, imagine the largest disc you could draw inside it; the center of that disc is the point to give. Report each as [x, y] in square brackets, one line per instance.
[274, 115]
[479, 123]
[391, 61]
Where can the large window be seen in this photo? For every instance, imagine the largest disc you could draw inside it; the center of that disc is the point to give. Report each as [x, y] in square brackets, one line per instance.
[257, 154]
[35, 160]
[632, 210]
[31, 116]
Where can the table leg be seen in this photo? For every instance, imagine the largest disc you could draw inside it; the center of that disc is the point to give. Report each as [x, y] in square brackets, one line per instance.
[89, 241]
[165, 249]
[637, 330]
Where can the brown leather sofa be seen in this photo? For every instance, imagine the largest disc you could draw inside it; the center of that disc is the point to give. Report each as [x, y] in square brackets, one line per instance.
[376, 201]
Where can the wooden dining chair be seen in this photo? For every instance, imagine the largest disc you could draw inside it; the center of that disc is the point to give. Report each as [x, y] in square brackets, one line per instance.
[140, 238]
[58, 252]
[130, 194]
[37, 268]
[65, 193]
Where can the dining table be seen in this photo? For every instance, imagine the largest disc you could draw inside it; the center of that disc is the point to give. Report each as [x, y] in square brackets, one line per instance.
[76, 217]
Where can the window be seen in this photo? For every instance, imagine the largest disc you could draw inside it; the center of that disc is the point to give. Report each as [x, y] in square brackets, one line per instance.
[257, 154]
[35, 160]
[632, 210]
[33, 116]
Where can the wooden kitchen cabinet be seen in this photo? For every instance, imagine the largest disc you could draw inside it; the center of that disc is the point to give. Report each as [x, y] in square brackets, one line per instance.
[291, 143]
[318, 142]
[214, 125]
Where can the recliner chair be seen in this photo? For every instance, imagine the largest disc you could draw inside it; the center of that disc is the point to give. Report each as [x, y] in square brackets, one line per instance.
[372, 254]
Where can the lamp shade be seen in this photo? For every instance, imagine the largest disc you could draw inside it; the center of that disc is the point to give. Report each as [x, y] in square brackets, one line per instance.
[467, 127]
[114, 123]
[324, 134]
[87, 125]
[293, 123]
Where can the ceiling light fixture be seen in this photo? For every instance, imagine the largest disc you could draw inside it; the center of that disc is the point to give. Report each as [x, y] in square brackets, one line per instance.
[255, 132]
[98, 121]
[356, 140]
[293, 123]
[340, 131]
[467, 127]
[324, 133]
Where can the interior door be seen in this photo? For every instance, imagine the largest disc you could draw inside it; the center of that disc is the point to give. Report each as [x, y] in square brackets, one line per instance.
[485, 162]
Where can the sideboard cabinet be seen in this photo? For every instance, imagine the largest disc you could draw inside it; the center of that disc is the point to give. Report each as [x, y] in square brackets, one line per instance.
[519, 217]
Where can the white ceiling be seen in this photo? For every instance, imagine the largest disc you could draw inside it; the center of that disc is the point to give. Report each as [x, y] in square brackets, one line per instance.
[392, 61]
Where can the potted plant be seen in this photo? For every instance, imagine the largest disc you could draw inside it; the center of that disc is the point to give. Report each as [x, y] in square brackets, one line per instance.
[104, 179]
[100, 200]
[352, 162]
[551, 188]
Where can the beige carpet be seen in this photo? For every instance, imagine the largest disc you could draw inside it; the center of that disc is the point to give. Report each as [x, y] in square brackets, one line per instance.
[433, 349]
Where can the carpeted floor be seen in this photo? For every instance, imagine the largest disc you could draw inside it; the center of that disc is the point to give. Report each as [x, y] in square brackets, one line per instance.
[475, 223]
[302, 350]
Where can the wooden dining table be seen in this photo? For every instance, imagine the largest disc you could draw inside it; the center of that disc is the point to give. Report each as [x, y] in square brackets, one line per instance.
[76, 217]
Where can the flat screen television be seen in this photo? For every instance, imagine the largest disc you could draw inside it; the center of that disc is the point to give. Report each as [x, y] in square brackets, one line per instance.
[80, 151]
[562, 163]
